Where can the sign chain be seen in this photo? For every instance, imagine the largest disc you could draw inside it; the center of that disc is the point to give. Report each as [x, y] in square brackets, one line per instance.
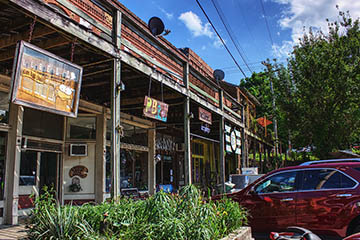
[149, 91]
[32, 25]
[73, 49]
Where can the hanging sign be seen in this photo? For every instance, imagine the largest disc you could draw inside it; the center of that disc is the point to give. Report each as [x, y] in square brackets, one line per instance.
[205, 116]
[205, 128]
[155, 109]
[232, 140]
[45, 81]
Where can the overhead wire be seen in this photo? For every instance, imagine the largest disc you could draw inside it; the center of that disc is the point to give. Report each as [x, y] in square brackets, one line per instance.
[230, 32]
[222, 41]
[267, 23]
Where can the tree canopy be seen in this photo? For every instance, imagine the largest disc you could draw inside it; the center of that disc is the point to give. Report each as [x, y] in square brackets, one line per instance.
[317, 94]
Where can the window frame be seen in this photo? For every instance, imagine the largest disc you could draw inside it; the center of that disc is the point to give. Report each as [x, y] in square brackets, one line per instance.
[297, 181]
[327, 189]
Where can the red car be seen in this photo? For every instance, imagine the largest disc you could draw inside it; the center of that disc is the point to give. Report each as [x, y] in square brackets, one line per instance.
[322, 196]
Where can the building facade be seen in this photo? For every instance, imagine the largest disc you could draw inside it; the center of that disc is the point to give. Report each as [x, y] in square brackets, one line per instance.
[148, 114]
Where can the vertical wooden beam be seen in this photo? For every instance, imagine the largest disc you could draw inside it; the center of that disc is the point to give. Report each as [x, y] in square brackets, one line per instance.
[222, 141]
[243, 140]
[115, 110]
[187, 141]
[261, 149]
[100, 157]
[151, 161]
[12, 170]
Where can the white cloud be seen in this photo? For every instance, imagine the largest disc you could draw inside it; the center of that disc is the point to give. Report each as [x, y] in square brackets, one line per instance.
[203, 47]
[167, 14]
[195, 25]
[311, 13]
[197, 28]
[282, 51]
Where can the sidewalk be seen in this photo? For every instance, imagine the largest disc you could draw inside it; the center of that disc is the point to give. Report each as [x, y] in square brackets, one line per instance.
[12, 232]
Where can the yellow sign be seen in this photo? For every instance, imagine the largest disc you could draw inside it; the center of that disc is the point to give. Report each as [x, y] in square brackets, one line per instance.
[45, 81]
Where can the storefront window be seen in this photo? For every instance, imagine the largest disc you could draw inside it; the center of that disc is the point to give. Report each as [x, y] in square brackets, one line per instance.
[108, 170]
[28, 168]
[131, 134]
[81, 128]
[134, 169]
[2, 164]
[43, 124]
[4, 107]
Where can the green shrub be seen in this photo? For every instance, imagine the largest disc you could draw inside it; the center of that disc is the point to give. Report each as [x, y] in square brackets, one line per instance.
[162, 216]
[51, 221]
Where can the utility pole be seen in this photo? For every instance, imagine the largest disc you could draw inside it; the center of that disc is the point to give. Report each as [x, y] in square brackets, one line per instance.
[273, 106]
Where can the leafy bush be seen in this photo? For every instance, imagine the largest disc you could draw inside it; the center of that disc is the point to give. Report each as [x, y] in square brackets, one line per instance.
[51, 221]
[162, 216]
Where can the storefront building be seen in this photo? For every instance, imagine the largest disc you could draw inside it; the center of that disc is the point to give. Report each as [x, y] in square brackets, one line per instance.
[132, 115]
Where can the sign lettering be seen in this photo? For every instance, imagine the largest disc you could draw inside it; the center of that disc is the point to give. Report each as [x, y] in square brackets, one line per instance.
[155, 109]
[205, 116]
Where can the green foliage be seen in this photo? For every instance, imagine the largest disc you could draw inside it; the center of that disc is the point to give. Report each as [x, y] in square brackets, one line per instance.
[325, 81]
[162, 216]
[317, 94]
[51, 221]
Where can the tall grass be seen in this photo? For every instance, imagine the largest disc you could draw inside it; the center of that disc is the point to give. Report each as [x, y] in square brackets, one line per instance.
[163, 216]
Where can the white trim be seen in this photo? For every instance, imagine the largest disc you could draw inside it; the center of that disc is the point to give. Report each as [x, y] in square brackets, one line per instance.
[28, 190]
[79, 197]
[24, 212]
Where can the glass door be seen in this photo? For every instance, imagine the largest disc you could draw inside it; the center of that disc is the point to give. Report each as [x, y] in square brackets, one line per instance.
[48, 170]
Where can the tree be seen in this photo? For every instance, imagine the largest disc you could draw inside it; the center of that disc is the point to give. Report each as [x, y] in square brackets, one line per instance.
[319, 95]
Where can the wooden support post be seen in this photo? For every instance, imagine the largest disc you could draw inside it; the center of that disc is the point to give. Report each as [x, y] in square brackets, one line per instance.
[254, 152]
[12, 170]
[261, 149]
[100, 159]
[222, 143]
[115, 117]
[151, 161]
[187, 142]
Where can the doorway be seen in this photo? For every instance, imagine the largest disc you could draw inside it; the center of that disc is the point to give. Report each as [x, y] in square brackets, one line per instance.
[37, 170]
[48, 170]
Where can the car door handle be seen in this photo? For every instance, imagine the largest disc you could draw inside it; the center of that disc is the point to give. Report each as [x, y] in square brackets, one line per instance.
[344, 195]
[286, 199]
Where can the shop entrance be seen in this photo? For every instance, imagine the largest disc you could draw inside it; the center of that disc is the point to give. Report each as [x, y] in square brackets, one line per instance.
[48, 170]
[37, 170]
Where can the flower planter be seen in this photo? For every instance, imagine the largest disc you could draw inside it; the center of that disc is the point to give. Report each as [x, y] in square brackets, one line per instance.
[243, 233]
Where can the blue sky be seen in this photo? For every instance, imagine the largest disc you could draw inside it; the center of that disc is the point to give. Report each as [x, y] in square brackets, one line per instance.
[286, 18]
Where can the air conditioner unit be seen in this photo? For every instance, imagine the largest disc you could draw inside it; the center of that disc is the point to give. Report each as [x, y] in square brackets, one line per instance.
[180, 147]
[78, 150]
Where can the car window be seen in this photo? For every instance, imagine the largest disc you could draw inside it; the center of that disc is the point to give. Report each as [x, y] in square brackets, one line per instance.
[281, 182]
[325, 179]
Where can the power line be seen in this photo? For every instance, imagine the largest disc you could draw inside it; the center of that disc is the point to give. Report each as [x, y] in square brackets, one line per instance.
[266, 21]
[227, 49]
[230, 32]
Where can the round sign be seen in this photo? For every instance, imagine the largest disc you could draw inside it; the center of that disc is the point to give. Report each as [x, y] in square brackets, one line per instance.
[233, 140]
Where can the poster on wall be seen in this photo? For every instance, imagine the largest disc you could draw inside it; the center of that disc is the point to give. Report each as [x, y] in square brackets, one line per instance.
[232, 140]
[45, 81]
[155, 109]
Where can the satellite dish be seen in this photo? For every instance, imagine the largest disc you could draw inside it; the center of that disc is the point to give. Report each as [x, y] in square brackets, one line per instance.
[219, 75]
[156, 26]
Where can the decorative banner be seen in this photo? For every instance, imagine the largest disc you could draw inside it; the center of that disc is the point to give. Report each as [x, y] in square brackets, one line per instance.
[155, 109]
[79, 170]
[263, 121]
[205, 116]
[232, 140]
[45, 81]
